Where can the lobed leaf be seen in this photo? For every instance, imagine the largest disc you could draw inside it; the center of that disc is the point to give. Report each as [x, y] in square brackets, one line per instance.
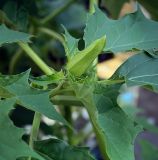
[113, 127]
[141, 69]
[12, 146]
[17, 86]
[71, 44]
[133, 31]
[11, 36]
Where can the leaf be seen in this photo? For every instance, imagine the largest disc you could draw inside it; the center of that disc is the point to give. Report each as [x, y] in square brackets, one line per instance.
[45, 80]
[11, 36]
[119, 132]
[114, 129]
[133, 31]
[141, 69]
[118, 129]
[56, 149]
[11, 144]
[149, 151]
[17, 86]
[71, 44]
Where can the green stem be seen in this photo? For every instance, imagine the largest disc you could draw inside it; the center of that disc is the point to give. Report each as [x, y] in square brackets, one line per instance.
[98, 131]
[43, 66]
[56, 12]
[68, 117]
[92, 111]
[52, 33]
[92, 4]
[14, 60]
[66, 100]
[34, 130]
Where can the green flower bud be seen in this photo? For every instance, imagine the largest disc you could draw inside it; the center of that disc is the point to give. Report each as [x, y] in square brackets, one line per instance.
[82, 60]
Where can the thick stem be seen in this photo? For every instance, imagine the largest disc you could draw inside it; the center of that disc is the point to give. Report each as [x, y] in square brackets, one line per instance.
[52, 33]
[56, 12]
[66, 100]
[43, 66]
[68, 117]
[97, 129]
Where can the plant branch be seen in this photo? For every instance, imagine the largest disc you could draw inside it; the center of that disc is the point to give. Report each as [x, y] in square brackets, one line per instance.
[52, 33]
[35, 128]
[98, 131]
[42, 65]
[66, 100]
[68, 117]
[56, 12]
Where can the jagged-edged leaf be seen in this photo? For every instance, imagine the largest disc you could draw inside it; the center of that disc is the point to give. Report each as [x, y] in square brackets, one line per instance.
[113, 127]
[37, 100]
[133, 31]
[119, 132]
[56, 149]
[148, 150]
[45, 80]
[140, 69]
[10, 36]
[71, 44]
[11, 144]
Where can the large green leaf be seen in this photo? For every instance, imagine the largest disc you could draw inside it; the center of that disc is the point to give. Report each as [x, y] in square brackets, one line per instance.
[10, 36]
[140, 69]
[113, 127]
[71, 44]
[17, 86]
[55, 149]
[133, 31]
[11, 144]
[119, 132]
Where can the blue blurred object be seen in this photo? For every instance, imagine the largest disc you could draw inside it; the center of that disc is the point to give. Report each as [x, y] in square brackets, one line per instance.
[96, 152]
